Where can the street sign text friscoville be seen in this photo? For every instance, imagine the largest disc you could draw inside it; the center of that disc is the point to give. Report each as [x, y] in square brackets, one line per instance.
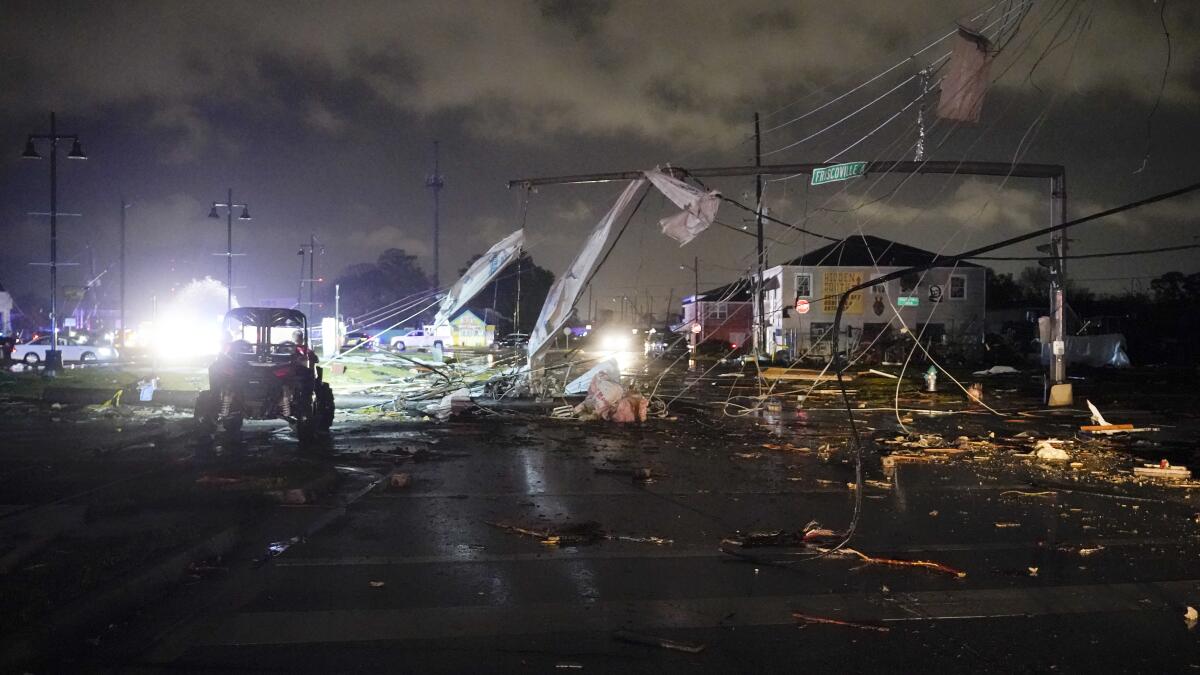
[830, 174]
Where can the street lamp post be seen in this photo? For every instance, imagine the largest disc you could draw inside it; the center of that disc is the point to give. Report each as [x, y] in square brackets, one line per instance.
[229, 206]
[53, 355]
[695, 268]
[121, 331]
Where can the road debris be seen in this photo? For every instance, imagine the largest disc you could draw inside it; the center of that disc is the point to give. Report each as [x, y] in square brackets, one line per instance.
[1048, 450]
[653, 641]
[577, 534]
[398, 480]
[1191, 617]
[1163, 470]
[893, 562]
[1022, 493]
[608, 400]
[997, 370]
[809, 618]
[644, 474]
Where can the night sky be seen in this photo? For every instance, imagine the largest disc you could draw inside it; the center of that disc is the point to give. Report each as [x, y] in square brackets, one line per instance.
[322, 117]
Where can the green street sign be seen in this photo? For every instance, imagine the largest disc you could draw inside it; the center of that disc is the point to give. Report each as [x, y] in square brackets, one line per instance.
[908, 301]
[831, 174]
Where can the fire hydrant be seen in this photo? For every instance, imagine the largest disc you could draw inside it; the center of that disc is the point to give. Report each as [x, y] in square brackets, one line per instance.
[931, 379]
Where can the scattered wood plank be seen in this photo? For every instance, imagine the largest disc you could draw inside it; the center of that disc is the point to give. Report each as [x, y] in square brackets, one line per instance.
[654, 641]
[1106, 427]
[945, 451]
[1170, 472]
[800, 374]
[809, 618]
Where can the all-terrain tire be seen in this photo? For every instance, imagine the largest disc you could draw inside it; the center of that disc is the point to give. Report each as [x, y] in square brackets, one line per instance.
[323, 407]
[206, 411]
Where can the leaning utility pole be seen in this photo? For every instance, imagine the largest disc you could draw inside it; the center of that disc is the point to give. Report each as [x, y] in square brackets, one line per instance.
[1060, 390]
[435, 182]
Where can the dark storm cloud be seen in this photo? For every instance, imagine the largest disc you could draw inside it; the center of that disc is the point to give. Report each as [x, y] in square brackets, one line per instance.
[324, 113]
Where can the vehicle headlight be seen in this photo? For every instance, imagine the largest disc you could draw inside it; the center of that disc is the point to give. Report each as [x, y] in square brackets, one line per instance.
[614, 342]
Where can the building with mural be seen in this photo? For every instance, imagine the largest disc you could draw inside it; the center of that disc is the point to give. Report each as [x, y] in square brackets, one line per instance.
[944, 303]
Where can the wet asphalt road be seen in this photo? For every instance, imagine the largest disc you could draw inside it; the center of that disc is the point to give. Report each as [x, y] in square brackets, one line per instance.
[417, 580]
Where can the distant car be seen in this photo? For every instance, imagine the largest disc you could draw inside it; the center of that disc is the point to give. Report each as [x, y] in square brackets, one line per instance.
[417, 338]
[355, 338]
[34, 352]
[511, 341]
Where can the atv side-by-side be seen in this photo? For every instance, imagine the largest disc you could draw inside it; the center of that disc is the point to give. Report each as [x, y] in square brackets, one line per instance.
[266, 370]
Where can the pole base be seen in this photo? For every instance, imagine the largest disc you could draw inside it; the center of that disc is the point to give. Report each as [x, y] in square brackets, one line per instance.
[1060, 395]
[53, 363]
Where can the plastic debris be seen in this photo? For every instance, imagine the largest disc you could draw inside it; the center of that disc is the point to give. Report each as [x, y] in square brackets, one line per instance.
[997, 370]
[1048, 450]
[608, 400]
[581, 384]
[653, 641]
[453, 403]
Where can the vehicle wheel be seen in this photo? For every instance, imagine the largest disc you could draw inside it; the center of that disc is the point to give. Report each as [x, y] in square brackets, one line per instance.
[87, 357]
[398, 346]
[207, 408]
[32, 358]
[323, 407]
[304, 429]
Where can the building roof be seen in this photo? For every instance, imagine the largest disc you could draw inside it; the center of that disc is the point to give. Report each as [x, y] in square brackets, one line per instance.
[868, 251]
[737, 291]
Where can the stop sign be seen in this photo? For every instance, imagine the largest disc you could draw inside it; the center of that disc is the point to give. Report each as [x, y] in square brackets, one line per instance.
[801, 306]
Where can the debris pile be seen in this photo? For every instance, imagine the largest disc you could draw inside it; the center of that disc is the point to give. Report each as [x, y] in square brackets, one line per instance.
[576, 534]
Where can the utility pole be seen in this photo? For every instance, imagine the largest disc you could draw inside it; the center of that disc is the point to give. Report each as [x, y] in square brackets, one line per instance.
[1060, 391]
[311, 250]
[923, 83]
[760, 333]
[435, 182]
[121, 332]
[229, 206]
[1055, 172]
[517, 307]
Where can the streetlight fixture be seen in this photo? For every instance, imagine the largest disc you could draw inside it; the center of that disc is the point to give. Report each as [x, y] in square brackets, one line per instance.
[229, 206]
[53, 355]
